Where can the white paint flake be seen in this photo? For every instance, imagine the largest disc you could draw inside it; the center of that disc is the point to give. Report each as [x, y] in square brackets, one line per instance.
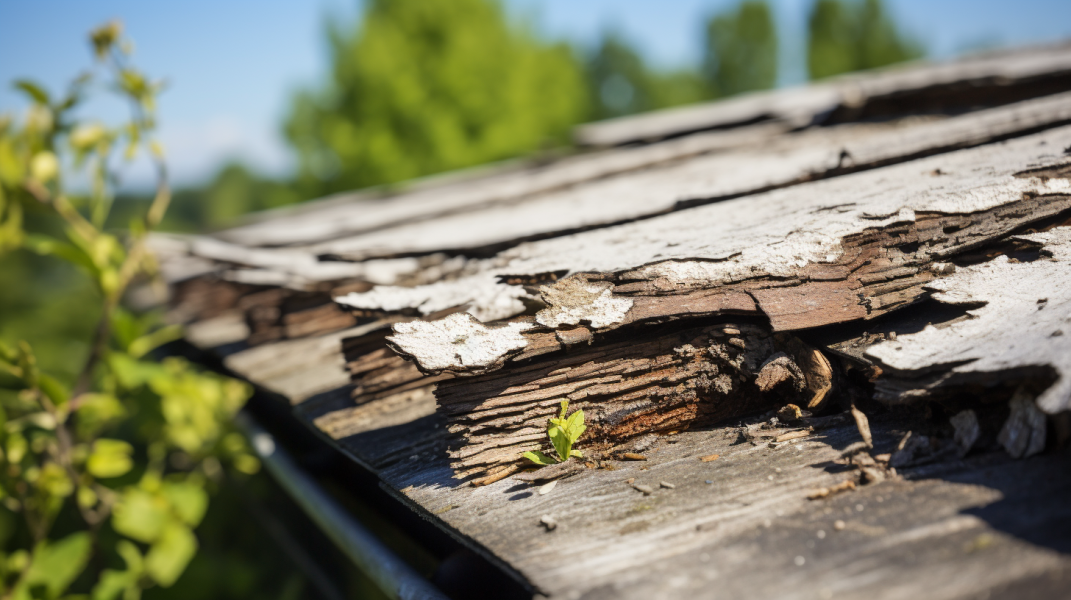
[573, 300]
[486, 299]
[458, 342]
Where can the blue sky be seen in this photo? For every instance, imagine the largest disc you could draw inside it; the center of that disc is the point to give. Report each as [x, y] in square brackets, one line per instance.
[232, 65]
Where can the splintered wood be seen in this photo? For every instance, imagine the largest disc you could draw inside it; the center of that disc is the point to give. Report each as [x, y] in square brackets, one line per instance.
[626, 388]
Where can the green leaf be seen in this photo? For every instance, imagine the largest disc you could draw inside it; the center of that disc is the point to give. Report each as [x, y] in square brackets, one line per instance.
[34, 91]
[576, 453]
[7, 353]
[55, 390]
[574, 426]
[133, 373]
[54, 480]
[112, 582]
[560, 441]
[131, 555]
[146, 343]
[56, 564]
[95, 411]
[189, 500]
[539, 458]
[47, 245]
[110, 458]
[168, 557]
[141, 515]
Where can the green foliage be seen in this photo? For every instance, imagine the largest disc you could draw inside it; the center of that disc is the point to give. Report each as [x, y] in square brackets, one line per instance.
[740, 53]
[429, 86]
[110, 455]
[563, 432]
[53, 566]
[852, 35]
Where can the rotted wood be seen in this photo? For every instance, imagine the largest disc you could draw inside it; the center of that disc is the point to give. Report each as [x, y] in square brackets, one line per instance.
[696, 174]
[377, 373]
[627, 389]
[836, 251]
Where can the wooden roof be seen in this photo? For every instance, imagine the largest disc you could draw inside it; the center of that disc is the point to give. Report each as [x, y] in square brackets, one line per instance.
[896, 242]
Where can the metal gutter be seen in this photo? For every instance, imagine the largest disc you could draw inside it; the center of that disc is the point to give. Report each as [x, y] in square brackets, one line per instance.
[392, 575]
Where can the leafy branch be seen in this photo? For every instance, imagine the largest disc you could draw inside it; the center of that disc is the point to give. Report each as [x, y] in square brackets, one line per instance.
[130, 446]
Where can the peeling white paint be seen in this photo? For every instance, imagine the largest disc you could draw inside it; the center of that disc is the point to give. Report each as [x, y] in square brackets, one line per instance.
[777, 232]
[572, 300]
[458, 342]
[1026, 320]
[486, 299]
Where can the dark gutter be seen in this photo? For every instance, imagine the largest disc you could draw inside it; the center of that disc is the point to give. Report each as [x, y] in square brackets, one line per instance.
[393, 576]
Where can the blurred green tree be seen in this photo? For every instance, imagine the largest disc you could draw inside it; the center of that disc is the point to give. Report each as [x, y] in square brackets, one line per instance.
[621, 83]
[233, 192]
[740, 50]
[427, 86]
[854, 35]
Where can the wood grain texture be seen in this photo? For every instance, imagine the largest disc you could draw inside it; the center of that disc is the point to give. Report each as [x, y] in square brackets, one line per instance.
[627, 389]
[743, 531]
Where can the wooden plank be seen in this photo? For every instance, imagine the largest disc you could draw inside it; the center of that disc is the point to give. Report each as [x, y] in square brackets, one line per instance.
[1021, 332]
[951, 523]
[797, 234]
[296, 369]
[780, 162]
[701, 179]
[365, 213]
[802, 105]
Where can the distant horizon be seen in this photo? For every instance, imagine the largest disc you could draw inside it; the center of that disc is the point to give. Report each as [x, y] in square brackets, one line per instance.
[233, 67]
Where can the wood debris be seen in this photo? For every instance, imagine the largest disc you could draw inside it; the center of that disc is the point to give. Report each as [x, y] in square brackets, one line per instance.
[825, 492]
[789, 413]
[1023, 433]
[967, 430]
[863, 425]
[552, 472]
[646, 489]
[793, 435]
[915, 450]
[709, 458]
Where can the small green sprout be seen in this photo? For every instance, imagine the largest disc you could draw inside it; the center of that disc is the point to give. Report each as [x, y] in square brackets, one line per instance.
[563, 433]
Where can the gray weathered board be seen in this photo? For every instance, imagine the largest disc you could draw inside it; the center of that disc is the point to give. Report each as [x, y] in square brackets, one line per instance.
[821, 207]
